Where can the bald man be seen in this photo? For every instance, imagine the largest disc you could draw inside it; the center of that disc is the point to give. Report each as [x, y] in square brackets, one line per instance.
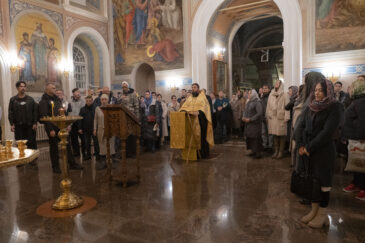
[45, 109]
[105, 90]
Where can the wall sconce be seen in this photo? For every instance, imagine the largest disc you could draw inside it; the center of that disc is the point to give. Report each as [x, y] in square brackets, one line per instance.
[15, 62]
[218, 53]
[66, 67]
[174, 83]
[333, 73]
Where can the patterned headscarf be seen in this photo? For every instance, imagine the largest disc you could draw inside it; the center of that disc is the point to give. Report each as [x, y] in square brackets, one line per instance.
[254, 94]
[310, 81]
[358, 88]
[317, 106]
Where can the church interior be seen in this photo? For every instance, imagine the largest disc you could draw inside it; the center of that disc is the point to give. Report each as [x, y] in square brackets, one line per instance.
[166, 48]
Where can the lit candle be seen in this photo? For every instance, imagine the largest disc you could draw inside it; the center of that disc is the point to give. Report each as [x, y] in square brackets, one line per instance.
[61, 111]
[52, 108]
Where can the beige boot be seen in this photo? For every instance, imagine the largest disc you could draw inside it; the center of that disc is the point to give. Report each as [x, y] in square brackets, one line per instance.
[276, 147]
[320, 219]
[275, 154]
[305, 219]
[281, 147]
[249, 152]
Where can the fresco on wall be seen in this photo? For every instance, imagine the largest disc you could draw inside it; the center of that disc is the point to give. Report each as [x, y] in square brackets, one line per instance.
[148, 31]
[340, 25]
[39, 46]
[94, 6]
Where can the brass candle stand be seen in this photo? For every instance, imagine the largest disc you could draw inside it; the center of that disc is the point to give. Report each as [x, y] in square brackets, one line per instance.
[10, 156]
[67, 200]
[21, 147]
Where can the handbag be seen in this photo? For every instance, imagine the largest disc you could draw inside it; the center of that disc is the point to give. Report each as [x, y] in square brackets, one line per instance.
[151, 118]
[304, 184]
[356, 160]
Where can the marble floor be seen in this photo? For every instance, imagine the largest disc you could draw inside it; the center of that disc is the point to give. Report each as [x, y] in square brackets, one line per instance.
[228, 198]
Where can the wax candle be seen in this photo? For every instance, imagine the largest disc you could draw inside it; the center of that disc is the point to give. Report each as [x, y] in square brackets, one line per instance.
[52, 108]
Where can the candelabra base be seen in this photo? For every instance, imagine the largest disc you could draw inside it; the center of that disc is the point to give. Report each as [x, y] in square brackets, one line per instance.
[67, 200]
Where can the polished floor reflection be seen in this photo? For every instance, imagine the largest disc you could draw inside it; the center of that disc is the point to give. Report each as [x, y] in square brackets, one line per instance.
[228, 198]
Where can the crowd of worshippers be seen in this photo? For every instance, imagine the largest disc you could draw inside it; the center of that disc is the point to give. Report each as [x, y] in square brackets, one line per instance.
[272, 121]
[150, 109]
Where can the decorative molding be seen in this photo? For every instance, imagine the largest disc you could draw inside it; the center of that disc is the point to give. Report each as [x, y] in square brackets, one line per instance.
[349, 70]
[164, 83]
[16, 7]
[103, 30]
[312, 57]
[86, 13]
[71, 21]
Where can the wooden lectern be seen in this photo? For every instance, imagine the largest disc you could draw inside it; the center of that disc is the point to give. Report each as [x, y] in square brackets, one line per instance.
[120, 122]
[185, 134]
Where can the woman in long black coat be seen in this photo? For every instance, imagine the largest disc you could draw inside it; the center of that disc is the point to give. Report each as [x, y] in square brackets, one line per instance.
[252, 117]
[314, 136]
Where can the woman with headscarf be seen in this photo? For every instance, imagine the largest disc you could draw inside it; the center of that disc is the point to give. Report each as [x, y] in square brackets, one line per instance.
[252, 117]
[354, 128]
[310, 80]
[293, 95]
[277, 118]
[314, 135]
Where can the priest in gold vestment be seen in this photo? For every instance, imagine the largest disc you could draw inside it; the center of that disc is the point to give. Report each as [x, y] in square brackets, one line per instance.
[191, 127]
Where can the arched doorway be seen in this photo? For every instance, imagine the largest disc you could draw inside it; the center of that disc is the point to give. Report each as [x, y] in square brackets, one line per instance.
[292, 44]
[257, 53]
[143, 78]
[94, 71]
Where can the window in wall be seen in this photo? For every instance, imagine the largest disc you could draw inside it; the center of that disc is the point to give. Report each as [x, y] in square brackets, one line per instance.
[80, 69]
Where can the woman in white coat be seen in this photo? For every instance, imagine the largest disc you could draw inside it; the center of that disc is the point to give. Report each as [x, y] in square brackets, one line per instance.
[277, 118]
[99, 132]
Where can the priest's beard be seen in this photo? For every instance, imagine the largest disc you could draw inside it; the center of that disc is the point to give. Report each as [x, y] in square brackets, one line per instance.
[195, 94]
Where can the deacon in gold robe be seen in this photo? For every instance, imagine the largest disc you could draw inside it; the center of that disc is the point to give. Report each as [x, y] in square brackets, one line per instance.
[199, 129]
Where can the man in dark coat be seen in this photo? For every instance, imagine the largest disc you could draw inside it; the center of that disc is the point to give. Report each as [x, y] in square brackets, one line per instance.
[266, 137]
[23, 116]
[45, 109]
[86, 126]
[105, 90]
[224, 117]
[339, 94]
[150, 116]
